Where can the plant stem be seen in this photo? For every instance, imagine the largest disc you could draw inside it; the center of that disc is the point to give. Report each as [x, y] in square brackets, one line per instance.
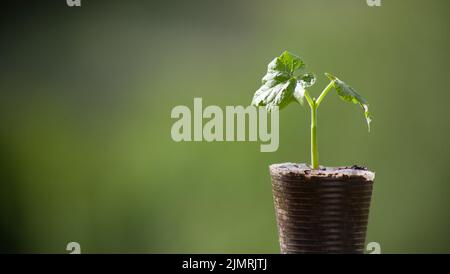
[324, 93]
[309, 99]
[314, 150]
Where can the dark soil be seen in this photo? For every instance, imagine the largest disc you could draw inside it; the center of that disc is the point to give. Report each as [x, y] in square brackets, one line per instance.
[293, 170]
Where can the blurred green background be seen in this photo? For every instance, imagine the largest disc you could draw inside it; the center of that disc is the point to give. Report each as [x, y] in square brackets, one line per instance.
[86, 94]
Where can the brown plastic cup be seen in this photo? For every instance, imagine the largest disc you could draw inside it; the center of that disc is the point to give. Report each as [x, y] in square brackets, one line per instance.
[321, 211]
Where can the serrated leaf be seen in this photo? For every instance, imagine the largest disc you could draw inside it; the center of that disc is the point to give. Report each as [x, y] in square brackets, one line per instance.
[349, 94]
[274, 94]
[284, 82]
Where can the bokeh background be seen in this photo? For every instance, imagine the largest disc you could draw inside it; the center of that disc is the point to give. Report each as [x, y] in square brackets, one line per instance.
[86, 94]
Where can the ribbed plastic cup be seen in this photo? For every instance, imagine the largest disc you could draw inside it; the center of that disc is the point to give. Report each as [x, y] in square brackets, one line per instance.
[321, 211]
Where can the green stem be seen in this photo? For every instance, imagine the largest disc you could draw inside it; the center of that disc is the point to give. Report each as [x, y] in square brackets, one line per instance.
[314, 105]
[314, 150]
[309, 99]
[324, 93]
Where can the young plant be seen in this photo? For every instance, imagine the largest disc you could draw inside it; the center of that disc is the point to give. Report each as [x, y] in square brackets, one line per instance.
[287, 80]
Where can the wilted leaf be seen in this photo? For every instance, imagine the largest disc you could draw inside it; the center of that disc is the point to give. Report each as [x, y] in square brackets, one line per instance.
[349, 94]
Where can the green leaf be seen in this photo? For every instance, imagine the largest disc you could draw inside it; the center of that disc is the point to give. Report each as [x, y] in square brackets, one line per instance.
[274, 94]
[299, 92]
[307, 80]
[284, 82]
[349, 94]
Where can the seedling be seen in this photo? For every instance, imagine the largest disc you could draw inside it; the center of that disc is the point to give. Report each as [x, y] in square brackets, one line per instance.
[287, 81]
